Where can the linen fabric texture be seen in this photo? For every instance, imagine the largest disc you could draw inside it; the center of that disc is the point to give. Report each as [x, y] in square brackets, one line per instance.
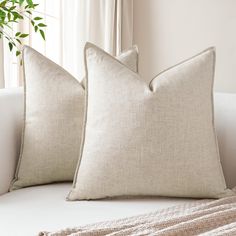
[149, 139]
[53, 120]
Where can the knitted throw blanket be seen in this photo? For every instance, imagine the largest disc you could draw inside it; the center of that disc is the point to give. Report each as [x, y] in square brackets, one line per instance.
[204, 217]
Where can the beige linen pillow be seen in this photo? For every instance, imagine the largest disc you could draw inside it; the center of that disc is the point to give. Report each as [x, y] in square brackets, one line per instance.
[54, 113]
[156, 139]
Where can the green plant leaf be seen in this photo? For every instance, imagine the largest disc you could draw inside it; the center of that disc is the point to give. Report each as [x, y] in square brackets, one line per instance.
[12, 8]
[21, 2]
[42, 34]
[32, 22]
[18, 53]
[10, 46]
[17, 34]
[17, 15]
[36, 28]
[3, 4]
[30, 3]
[24, 35]
[42, 25]
[38, 18]
[2, 14]
[9, 16]
[18, 41]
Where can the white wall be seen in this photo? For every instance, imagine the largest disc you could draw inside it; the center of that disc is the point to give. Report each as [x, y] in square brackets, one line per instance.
[168, 31]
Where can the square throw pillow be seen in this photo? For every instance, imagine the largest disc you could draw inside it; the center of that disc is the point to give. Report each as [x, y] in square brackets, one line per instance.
[149, 139]
[54, 114]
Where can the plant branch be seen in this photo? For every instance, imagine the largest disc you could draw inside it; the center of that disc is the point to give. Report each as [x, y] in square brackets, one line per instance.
[14, 11]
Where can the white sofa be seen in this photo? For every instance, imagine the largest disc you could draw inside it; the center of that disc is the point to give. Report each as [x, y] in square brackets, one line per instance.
[30, 210]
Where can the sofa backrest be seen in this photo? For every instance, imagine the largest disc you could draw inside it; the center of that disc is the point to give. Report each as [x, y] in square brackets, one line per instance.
[11, 121]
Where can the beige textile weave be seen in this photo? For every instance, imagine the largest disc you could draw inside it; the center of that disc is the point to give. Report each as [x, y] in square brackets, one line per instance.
[156, 139]
[54, 114]
[203, 217]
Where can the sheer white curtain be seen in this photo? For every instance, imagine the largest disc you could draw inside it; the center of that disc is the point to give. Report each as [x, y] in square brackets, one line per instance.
[107, 23]
[2, 82]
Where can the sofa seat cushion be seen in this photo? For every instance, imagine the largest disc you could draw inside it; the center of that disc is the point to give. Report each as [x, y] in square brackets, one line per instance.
[30, 210]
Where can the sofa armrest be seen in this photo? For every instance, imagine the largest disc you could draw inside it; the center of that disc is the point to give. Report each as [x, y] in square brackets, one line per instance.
[225, 116]
[11, 120]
